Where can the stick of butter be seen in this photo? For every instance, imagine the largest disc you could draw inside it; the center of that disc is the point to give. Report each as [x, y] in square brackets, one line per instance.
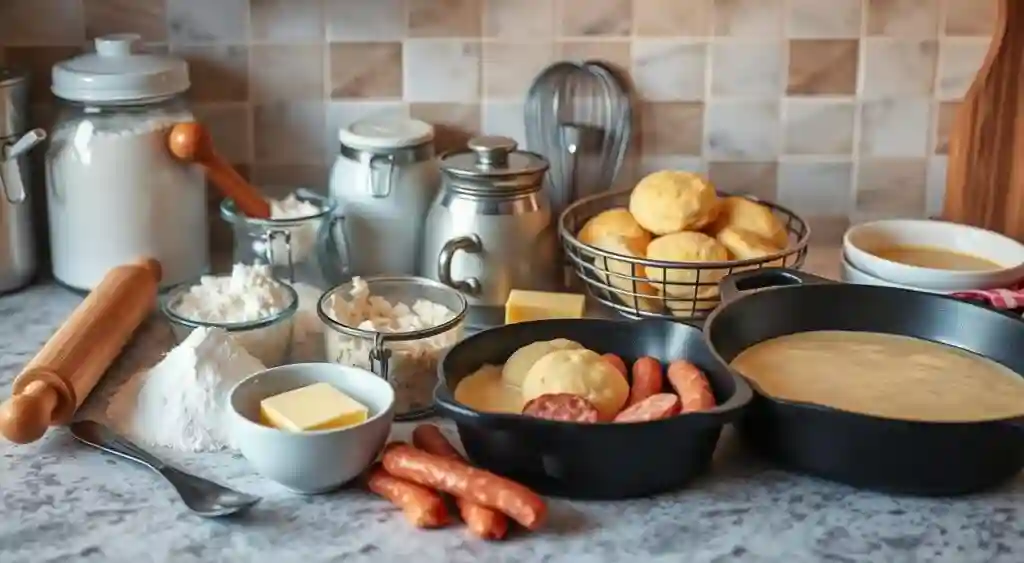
[540, 305]
[314, 407]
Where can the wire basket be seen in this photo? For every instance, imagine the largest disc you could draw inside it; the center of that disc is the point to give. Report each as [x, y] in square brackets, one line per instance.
[642, 288]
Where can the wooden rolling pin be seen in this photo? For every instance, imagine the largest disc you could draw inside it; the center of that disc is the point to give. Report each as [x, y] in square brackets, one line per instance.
[985, 178]
[190, 142]
[59, 378]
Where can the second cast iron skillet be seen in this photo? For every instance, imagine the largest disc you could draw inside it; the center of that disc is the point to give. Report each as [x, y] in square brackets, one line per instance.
[910, 457]
[597, 461]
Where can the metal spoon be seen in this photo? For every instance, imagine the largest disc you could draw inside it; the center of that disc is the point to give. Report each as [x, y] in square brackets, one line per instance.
[201, 496]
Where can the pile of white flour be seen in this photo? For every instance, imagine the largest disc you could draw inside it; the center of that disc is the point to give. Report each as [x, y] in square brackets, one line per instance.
[181, 403]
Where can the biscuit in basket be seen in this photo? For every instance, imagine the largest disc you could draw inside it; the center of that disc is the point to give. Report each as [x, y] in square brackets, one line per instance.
[615, 222]
[745, 245]
[686, 308]
[687, 246]
[746, 214]
[671, 201]
[626, 247]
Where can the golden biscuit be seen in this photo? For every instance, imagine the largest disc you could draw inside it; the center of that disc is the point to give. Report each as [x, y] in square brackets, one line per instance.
[745, 245]
[671, 201]
[615, 222]
[752, 217]
[520, 362]
[578, 372]
[626, 247]
[686, 247]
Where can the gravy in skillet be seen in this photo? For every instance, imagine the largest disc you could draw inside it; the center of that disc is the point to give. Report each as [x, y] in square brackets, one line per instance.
[935, 258]
[884, 375]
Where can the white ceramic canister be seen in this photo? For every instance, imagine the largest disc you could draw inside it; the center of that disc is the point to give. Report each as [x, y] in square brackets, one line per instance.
[114, 191]
[384, 180]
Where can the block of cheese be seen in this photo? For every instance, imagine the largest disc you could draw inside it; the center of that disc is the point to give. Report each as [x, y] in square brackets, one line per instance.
[539, 305]
[314, 407]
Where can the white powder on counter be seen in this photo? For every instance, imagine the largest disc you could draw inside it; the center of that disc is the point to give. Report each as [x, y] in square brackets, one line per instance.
[307, 334]
[248, 294]
[181, 403]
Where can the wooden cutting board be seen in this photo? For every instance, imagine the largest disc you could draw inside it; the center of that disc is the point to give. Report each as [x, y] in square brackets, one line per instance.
[985, 178]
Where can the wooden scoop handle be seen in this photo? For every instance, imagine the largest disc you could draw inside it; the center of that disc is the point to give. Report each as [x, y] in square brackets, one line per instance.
[190, 142]
[60, 377]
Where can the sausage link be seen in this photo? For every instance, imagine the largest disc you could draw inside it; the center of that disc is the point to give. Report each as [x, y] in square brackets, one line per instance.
[462, 480]
[647, 380]
[564, 407]
[422, 507]
[617, 363]
[481, 521]
[655, 407]
[692, 387]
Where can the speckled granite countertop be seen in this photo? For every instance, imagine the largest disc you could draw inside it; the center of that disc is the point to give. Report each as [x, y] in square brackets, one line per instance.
[60, 501]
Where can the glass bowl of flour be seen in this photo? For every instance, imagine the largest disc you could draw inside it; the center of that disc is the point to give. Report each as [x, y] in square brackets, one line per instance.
[254, 308]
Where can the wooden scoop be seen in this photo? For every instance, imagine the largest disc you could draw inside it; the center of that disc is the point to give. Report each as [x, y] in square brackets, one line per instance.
[985, 179]
[59, 378]
[190, 142]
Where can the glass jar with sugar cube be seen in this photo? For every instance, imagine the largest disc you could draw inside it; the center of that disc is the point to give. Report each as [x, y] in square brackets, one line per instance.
[397, 327]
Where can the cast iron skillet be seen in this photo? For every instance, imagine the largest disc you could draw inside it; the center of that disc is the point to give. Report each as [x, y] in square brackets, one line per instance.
[907, 457]
[597, 461]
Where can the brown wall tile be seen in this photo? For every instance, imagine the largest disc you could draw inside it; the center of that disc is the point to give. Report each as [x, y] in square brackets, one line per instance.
[590, 18]
[671, 128]
[759, 179]
[454, 124]
[672, 18]
[893, 186]
[510, 67]
[903, 18]
[970, 17]
[533, 19]
[279, 180]
[618, 53]
[287, 21]
[945, 113]
[286, 72]
[444, 18]
[365, 70]
[219, 73]
[38, 62]
[229, 125]
[148, 18]
[822, 67]
[42, 22]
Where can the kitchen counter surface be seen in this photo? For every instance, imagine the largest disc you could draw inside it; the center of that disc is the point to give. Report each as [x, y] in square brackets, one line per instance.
[60, 501]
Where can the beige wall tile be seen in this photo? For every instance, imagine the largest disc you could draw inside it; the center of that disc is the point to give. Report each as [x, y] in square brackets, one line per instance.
[343, 114]
[508, 68]
[147, 18]
[894, 68]
[589, 18]
[759, 179]
[749, 18]
[441, 70]
[219, 73]
[816, 188]
[820, 67]
[505, 119]
[671, 128]
[893, 187]
[944, 113]
[454, 124]
[289, 133]
[747, 69]
[229, 125]
[365, 20]
[970, 17]
[42, 22]
[365, 70]
[742, 130]
[534, 19]
[818, 126]
[279, 180]
[286, 72]
[287, 21]
[672, 18]
[935, 190]
[814, 19]
[667, 70]
[38, 62]
[444, 18]
[651, 163]
[202, 21]
[895, 128]
[903, 18]
[959, 62]
[615, 52]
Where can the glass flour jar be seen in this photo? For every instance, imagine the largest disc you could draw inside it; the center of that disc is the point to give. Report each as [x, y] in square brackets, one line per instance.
[114, 191]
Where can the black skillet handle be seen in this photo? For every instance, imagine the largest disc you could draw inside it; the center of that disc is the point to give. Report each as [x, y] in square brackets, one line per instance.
[735, 285]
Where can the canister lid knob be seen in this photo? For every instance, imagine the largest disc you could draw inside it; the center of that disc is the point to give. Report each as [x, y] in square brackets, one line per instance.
[492, 151]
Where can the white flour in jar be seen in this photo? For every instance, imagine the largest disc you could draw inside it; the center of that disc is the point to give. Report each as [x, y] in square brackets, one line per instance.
[115, 194]
[412, 368]
[181, 402]
[302, 237]
[248, 295]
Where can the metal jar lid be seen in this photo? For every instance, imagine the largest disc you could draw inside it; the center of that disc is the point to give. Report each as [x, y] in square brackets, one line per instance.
[493, 166]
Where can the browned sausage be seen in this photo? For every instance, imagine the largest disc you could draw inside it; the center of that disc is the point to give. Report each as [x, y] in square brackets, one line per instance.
[655, 407]
[691, 386]
[456, 477]
[482, 522]
[647, 380]
[422, 507]
[564, 407]
[617, 363]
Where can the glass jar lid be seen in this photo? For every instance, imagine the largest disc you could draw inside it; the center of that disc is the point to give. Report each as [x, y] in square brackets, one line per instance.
[119, 72]
[383, 133]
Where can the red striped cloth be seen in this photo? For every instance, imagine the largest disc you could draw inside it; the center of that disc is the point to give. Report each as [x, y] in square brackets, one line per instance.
[1010, 298]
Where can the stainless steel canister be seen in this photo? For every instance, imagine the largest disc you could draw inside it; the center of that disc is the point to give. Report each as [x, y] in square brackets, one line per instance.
[18, 258]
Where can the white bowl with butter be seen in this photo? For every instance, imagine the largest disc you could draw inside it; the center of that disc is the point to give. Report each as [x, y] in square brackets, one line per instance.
[934, 255]
[297, 454]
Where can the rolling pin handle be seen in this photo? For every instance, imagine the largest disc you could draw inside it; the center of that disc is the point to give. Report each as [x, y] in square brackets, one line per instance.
[25, 417]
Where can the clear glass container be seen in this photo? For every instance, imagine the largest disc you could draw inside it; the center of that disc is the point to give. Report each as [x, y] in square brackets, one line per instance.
[408, 358]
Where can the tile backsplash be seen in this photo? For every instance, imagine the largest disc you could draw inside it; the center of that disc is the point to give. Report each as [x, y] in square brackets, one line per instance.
[837, 108]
